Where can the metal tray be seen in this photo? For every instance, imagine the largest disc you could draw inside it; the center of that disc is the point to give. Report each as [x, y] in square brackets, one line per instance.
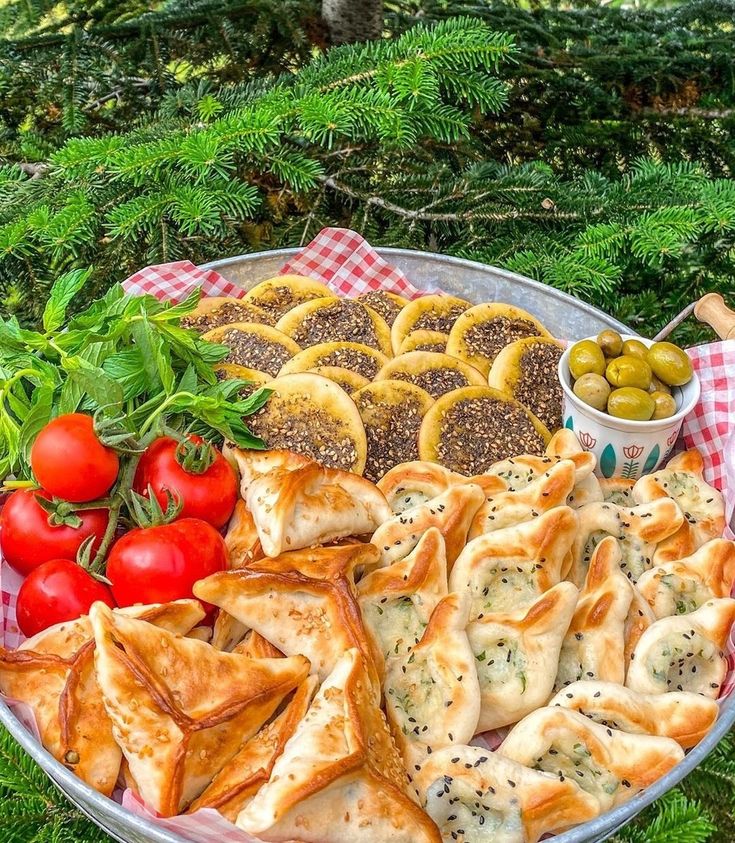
[565, 317]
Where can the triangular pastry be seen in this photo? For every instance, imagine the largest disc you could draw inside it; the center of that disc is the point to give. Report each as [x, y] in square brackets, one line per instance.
[53, 673]
[594, 645]
[476, 796]
[508, 569]
[684, 652]
[638, 529]
[397, 601]
[640, 617]
[516, 656]
[237, 783]
[451, 512]
[683, 480]
[312, 505]
[564, 445]
[681, 586]
[242, 540]
[432, 696]
[618, 490]
[684, 717]
[340, 776]
[254, 646]
[608, 764]
[413, 483]
[506, 508]
[302, 602]
[181, 709]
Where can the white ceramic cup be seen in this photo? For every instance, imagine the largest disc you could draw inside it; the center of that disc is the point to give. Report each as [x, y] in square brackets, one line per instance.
[624, 448]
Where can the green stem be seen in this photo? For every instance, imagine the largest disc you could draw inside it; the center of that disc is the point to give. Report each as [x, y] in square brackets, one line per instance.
[124, 485]
[167, 403]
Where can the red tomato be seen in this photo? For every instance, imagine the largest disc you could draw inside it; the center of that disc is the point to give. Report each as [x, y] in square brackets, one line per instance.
[57, 591]
[210, 495]
[27, 539]
[70, 461]
[159, 564]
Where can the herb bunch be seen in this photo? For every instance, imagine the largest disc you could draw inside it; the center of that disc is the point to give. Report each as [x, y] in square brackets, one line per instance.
[124, 359]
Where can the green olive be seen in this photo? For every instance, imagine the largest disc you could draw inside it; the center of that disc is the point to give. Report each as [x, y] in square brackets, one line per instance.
[665, 405]
[629, 371]
[593, 390]
[610, 342]
[658, 386]
[586, 356]
[635, 348]
[630, 403]
[669, 363]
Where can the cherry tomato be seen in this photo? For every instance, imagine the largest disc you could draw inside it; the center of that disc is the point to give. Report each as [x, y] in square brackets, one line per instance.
[210, 495]
[57, 591]
[69, 461]
[159, 564]
[27, 539]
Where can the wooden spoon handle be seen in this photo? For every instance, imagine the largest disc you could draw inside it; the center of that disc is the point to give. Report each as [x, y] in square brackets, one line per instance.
[713, 310]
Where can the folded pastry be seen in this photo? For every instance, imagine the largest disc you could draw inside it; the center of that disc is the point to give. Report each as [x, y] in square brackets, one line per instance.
[312, 505]
[451, 512]
[683, 585]
[508, 569]
[302, 602]
[684, 652]
[516, 656]
[241, 778]
[508, 508]
[518, 472]
[476, 796]
[340, 776]
[243, 543]
[608, 764]
[640, 617]
[254, 646]
[638, 529]
[684, 717]
[413, 483]
[618, 490]
[432, 696]
[53, 673]
[181, 709]
[397, 601]
[683, 480]
[227, 632]
[594, 645]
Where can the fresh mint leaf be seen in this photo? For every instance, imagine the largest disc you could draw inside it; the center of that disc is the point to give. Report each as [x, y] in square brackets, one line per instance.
[95, 382]
[126, 367]
[188, 381]
[183, 308]
[155, 354]
[63, 291]
[38, 416]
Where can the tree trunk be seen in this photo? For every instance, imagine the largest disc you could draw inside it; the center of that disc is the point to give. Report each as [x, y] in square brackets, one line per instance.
[353, 20]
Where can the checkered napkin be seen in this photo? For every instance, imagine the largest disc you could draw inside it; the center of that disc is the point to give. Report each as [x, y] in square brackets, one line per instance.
[347, 264]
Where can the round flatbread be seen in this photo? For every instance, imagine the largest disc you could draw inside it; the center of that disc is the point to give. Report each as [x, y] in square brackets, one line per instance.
[278, 295]
[481, 332]
[470, 429]
[388, 305]
[331, 319]
[528, 370]
[424, 341]
[435, 373]
[311, 415]
[429, 313]
[221, 310]
[392, 412]
[258, 347]
[354, 356]
[348, 380]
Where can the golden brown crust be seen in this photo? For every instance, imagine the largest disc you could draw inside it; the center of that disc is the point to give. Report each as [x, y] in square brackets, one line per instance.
[685, 717]
[255, 346]
[349, 381]
[432, 313]
[484, 330]
[424, 341]
[214, 311]
[433, 372]
[301, 602]
[451, 512]
[279, 294]
[332, 319]
[355, 356]
[181, 709]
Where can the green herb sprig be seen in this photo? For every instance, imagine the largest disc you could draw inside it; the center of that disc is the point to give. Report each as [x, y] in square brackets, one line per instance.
[125, 359]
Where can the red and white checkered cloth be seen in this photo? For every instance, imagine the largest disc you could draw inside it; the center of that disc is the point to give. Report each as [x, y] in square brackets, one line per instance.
[346, 263]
